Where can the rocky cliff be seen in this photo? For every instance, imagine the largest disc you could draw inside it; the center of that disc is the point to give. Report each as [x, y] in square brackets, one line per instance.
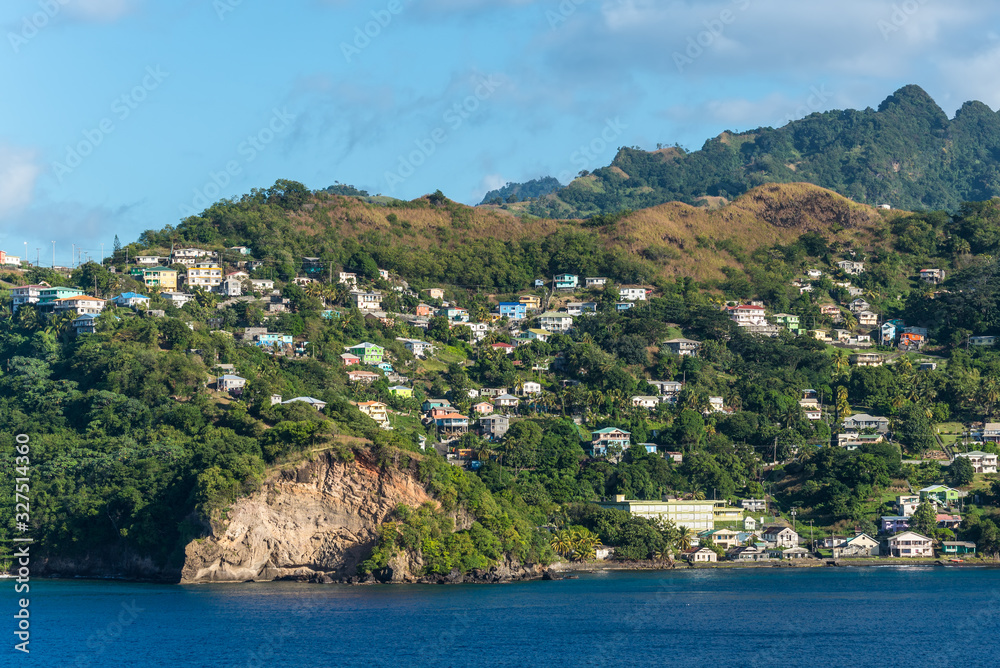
[315, 521]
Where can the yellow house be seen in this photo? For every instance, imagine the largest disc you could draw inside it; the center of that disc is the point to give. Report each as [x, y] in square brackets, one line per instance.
[204, 275]
[377, 411]
[160, 277]
[820, 334]
[531, 302]
[401, 391]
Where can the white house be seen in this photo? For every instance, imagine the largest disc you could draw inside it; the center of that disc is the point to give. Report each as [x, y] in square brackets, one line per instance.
[781, 536]
[851, 267]
[131, 300]
[744, 316]
[230, 383]
[262, 284]
[531, 387]
[347, 278]
[81, 304]
[861, 545]
[595, 282]
[556, 322]
[178, 299]
[911, 544]
[632, 293]
[982, 462]
[645, 402]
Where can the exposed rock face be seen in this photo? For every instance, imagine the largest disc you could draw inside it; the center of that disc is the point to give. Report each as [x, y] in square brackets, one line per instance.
[316, 522]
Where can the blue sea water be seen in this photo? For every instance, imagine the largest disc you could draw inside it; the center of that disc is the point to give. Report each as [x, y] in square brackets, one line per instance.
[750, 618]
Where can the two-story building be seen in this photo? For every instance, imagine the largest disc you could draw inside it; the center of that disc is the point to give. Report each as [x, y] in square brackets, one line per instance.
[231, 383]
[788, 321]
[781, 536]
[81, 304]
[866, 359]
[377, 411]
[933, 276]
[683, 347]
[367, 301]
[494, 426]
[910, 544]
[609, 436]
[27, 294]
[982, 462]
[556, 322]
[633, 293]
[164, 278]
[851, 268]
[579, 308]
[566, 281]
[863, 421]
[595, 282]
[745, 315]
[512, 310]
[368, 352]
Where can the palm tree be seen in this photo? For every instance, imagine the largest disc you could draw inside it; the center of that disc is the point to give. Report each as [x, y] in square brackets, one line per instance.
[684, 538]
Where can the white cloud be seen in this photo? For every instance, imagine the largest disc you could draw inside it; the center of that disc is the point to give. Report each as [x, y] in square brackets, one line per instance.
[19, 171]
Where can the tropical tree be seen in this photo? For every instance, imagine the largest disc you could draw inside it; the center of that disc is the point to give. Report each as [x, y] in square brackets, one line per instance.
[684, 538]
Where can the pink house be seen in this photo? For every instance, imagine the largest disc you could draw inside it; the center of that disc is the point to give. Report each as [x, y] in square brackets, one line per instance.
[350, 360]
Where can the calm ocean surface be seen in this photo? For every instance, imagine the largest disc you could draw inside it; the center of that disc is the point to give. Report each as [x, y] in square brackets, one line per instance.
[749, 618]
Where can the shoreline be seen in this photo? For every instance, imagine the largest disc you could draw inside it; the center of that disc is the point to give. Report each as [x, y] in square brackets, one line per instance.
[563, 570]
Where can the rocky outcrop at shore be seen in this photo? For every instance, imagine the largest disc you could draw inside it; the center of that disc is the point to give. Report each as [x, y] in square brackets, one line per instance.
[313, 522]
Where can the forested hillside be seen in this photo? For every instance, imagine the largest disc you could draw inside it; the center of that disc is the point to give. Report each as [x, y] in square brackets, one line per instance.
[136, 451]
[907, 154]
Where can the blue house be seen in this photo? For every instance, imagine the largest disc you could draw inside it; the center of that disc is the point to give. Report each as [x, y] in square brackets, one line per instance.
[624, 306]
[384, 366]
[513, 310]
[274, 339]
[888, 332]
[539, 283]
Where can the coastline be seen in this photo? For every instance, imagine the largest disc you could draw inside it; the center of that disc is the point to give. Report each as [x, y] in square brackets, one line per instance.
[562, 570]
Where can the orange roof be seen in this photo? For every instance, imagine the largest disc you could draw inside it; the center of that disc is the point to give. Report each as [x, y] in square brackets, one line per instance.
[64, 299]
[370, 403]
[452, 416]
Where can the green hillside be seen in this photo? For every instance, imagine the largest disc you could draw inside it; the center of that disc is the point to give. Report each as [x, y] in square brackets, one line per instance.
[907, 154]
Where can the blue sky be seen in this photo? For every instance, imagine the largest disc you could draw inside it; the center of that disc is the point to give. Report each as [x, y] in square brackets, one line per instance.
[126, 115]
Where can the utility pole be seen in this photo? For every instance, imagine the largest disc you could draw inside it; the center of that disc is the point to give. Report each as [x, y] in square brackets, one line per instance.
[73, 256]
[53, 255]
[795, 511]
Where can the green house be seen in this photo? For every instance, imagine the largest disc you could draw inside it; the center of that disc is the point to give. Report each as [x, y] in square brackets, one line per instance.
[941, 493]
[401, 391]
[47, 295]
[789, 322]
[952, 547]
[368, 352]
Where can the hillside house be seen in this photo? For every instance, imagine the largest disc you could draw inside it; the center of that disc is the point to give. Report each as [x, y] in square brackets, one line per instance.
[205, 275]
[863, 421]
[368, 352]
[788, 321]
[188, 256]
[932, 276]
[364, 377]
[868, 319]
[81, 304]
[987, 341]
[483, 408]
[556, 322]
[401, 391]
[579, 308]
[84, 324]
[668, 389]
[164, 278]
[907, 504]
[506, 401]
[530, 387]
[893, 523]
[982, 462]
[494, 427]
[566, 281]
[453, 423]
[349, 359]
[512, 310]
[131, 300]
[595, 282]
[149, 260]
[952, 548]
[682, 347]
[231, 383]
[262, 284]
[859, 305]
[851, 268]
[866, 359]
[649, 403]
[609, 436]
[315, 403]
[27, 294]
[744, 316]
[911, 544]
[633, 293]
[810, 404]
[454, 314]
[531, 302]
[230, 287]
[377, 411]
[367, 301]
[178, 299]
[624, 306]
[939, 493]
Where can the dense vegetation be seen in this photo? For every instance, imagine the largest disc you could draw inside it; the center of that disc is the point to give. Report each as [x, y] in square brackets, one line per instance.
[907, 153]
[134, 454]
